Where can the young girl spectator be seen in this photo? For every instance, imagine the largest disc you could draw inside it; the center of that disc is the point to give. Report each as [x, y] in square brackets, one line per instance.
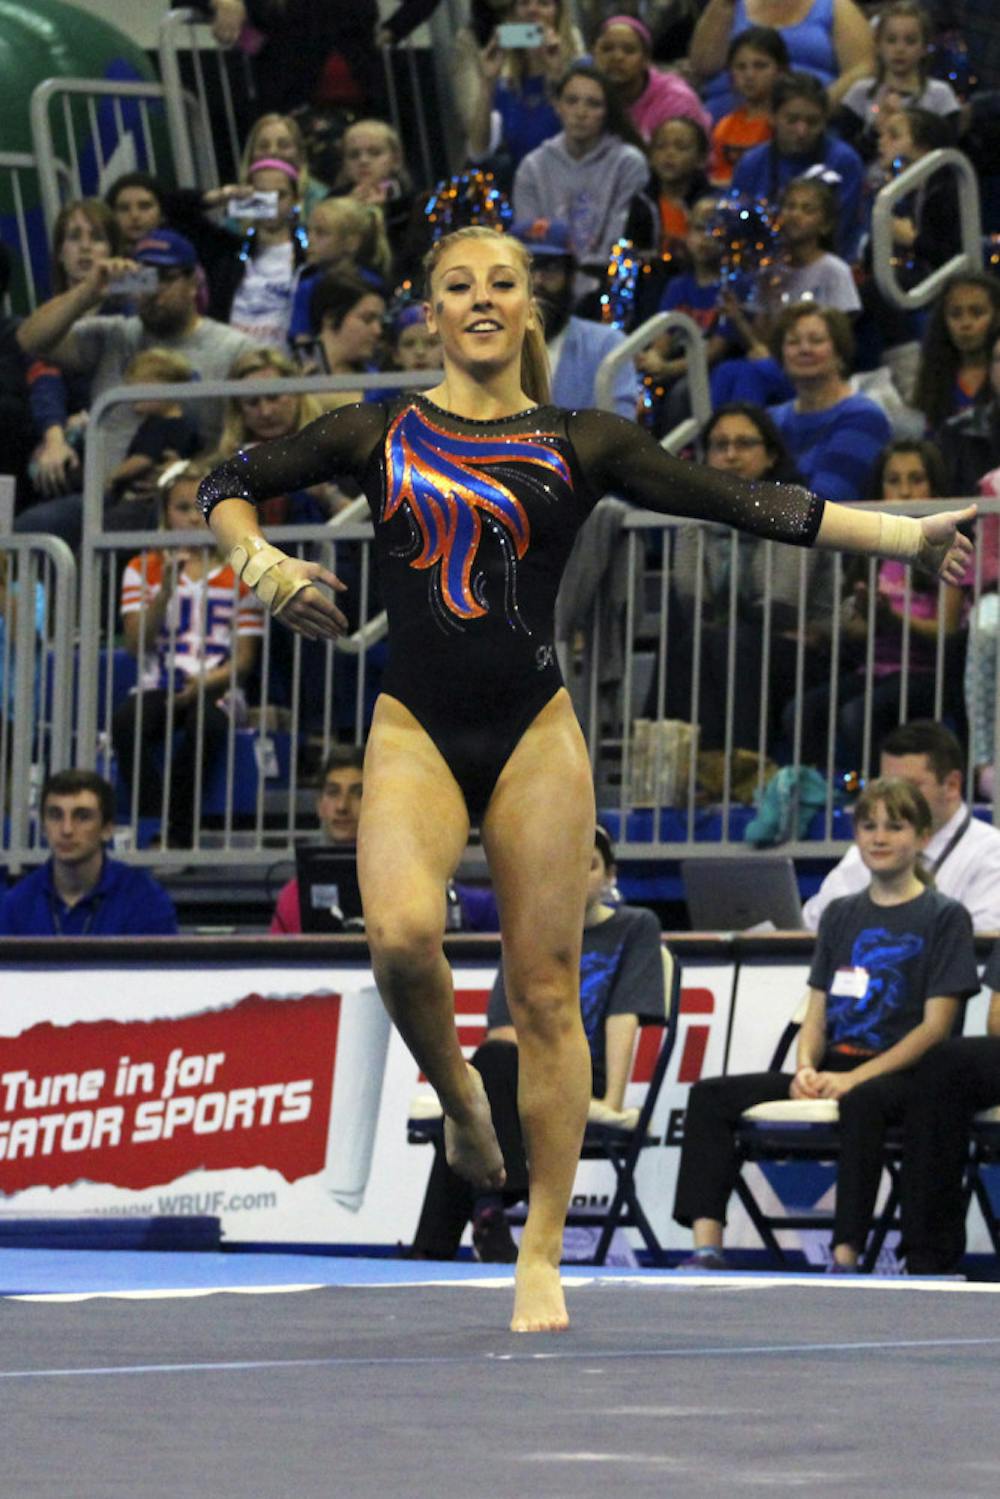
[902, 55]
[801, 143]
[659, 217]
[276, 135]
[344, 232]
[756, 60]
[85, 231]
[861, 1038]
[927, 228]
[833, 436]
[908, 623]
[414, 346]
[251, 419]
[373, 172]
[165, 433]
[955, 354]
[196, 629]
[697, 293]
[831, 39]
[624, 53]
[514, 112]
[808, 270]
[587, 174]
[970, 441]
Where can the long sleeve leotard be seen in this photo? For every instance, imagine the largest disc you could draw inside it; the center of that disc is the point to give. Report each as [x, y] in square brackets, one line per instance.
[474, 521]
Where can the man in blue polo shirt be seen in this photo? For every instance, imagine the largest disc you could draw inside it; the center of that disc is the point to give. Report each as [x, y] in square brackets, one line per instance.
[80, 891]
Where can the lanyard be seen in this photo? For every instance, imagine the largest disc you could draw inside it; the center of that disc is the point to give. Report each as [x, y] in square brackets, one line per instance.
[57, 916]
[953, 843]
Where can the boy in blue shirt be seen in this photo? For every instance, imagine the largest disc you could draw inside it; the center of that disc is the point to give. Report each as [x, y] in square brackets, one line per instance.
[80, 891]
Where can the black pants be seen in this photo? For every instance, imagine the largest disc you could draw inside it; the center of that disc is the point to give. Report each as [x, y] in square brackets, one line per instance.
[709, 1164]
[450, 1199]
[183, 759]
[953, 1082]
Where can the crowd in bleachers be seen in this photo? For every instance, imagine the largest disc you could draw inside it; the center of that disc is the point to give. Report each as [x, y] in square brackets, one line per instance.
[595, 126]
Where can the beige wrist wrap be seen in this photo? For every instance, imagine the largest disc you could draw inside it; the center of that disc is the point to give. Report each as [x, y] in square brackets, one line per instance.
[900, 537]
[255, 562]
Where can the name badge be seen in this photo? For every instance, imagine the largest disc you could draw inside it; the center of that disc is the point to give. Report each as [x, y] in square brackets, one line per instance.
[850, 983]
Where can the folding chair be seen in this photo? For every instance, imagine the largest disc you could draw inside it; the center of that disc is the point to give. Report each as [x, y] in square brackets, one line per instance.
[619, 1144]
[805, 1130]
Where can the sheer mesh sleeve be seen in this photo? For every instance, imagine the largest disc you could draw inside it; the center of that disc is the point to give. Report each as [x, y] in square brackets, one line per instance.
[619, 457]
[336, 445]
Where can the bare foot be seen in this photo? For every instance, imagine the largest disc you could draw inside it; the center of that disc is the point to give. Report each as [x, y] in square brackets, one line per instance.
[539, 1303]
[471, 1147]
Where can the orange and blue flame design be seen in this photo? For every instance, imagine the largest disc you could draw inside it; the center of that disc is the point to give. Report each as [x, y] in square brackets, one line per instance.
[441, 478]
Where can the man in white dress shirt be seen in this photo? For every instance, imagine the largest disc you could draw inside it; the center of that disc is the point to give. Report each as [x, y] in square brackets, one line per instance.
[964, 852]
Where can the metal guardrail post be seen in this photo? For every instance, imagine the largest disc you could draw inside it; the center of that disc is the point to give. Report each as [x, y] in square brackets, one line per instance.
[970, 217]
[697, 372]
[174, 22]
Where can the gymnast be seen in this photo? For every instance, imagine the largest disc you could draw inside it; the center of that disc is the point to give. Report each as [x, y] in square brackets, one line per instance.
[477, 490]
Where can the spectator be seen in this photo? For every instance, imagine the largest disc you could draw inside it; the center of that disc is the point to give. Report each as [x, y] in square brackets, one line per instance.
[484, 16]
[659, 216]
[981, 657]
[414, 346]
[577, 347]
[696, 293]
[621, 984]
[253, 418]
[953, 1082]
[513, 111]
[900, 81]
[832, 41]
[955, 355]
[345, 315]
[802, 144]
[862, 1035]
[970, 441]
[586, 175]
[756, 60]
[62, 331]
[342, 232]
[373, 172]
[910, 617]
[80, 891]
[9, 601]
[832, 435]
[764, 582]
[136, 200]
[85, 231]
[338, 807]
[808, 270]
[164, 434]
[623, 51]
[963, 853]
[196, 631]
[277, 135]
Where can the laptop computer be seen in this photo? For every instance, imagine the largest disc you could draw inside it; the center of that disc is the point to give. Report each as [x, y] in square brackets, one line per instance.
[730, 895]
[329, 898]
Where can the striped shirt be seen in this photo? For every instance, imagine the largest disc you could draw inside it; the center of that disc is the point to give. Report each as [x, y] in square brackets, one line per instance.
[197, 630]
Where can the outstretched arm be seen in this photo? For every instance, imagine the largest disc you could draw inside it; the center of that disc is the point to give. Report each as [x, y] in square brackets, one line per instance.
[616, 455]
[339, 443]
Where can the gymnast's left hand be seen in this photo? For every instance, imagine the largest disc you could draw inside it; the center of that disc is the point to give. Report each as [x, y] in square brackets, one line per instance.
[310, 611]
[943, 549]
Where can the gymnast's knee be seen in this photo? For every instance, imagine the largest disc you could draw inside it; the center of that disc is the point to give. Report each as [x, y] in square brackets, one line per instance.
[544, 1000]
[405, 946]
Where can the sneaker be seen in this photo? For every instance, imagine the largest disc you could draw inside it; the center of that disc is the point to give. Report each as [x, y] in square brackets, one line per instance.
[492, 1240]
[705, 1259]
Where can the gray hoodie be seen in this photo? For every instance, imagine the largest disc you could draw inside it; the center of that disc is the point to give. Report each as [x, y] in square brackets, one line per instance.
[589, 193]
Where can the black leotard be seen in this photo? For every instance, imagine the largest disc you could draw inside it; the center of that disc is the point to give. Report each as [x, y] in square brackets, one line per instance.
[474, 521]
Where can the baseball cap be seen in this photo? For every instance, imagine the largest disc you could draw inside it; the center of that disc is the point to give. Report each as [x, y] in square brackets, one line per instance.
[544, 237]
[165, 247]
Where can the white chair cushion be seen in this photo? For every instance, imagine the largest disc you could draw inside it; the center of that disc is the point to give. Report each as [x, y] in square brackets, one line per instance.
[600, 1113]
[988, 1116]
[794, 1111]
[425, 1106]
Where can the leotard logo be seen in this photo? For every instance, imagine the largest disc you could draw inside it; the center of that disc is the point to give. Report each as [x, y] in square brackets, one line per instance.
[437, 475]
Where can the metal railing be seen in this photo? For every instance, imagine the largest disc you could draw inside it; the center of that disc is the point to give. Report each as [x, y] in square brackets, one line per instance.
[970, 217]
[38, 576]
[210, 155]
[86, 131]
[21, 228]
[693, 340]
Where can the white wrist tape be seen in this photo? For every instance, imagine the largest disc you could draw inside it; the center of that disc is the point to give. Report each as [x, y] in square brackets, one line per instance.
[255, 562]
[900, 537]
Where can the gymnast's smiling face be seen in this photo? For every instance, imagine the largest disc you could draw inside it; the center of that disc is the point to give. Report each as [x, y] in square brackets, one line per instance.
[481, 305]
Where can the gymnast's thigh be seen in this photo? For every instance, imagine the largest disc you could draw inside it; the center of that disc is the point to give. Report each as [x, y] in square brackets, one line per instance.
[538, 833]
[413, 829]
